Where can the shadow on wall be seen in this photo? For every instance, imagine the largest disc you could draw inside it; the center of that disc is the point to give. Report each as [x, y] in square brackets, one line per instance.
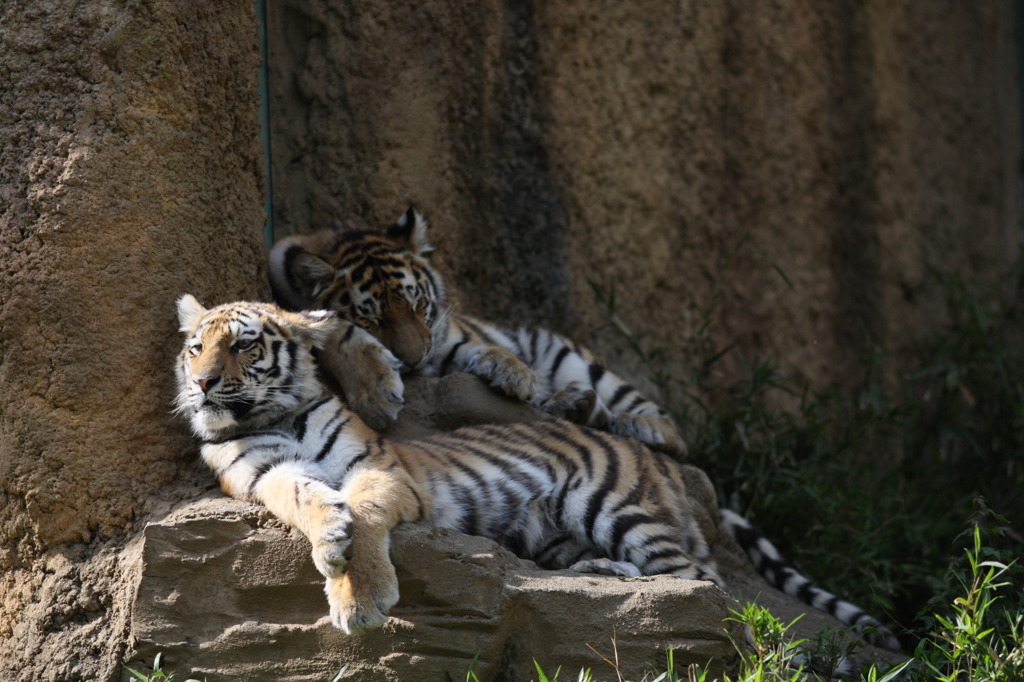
[336, 124]
[639, 145]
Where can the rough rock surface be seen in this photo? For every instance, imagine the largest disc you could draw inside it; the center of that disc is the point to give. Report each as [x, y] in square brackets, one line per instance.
[130, 172]
[228, 592]
[668, 150]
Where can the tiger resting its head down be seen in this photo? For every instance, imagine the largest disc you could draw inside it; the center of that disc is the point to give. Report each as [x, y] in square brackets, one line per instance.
[382, 282]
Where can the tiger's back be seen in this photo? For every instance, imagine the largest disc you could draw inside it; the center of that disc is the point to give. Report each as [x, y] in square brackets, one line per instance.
[559, 494]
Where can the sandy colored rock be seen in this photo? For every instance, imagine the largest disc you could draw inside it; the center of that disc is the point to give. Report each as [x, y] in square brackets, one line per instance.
[229, 593]
[130, 172]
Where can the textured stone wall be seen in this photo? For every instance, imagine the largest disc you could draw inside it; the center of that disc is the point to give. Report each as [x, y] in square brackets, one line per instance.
[130, 172]
[670, 150]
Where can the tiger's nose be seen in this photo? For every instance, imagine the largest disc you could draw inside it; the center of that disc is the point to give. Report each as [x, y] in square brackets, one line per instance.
[205, 383]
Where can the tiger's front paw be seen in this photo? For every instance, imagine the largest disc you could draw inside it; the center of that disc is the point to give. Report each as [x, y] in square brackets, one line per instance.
[358, 608]
[378, 400]
[506, 372]
[656, 431]
[332, 547]
[368, 374]
[573, 403]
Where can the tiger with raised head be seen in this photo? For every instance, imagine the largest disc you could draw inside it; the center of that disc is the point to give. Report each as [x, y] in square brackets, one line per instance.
[385, 284]
[563, 495]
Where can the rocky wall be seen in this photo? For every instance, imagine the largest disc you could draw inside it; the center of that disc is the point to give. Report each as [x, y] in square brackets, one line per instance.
[797, 163]
[130, 172]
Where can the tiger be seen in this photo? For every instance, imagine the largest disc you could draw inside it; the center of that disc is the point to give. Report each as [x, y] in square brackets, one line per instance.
[558, 493]
[386, 285]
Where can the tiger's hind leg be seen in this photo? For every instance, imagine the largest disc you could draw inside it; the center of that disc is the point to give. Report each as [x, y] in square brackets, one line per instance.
[655, 545]
[565, 551]
[658, 556]
[668, 557]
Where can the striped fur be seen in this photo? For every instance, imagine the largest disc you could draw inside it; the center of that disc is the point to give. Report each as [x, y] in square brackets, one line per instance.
[555, 492]
[783, 577]
[385, 285]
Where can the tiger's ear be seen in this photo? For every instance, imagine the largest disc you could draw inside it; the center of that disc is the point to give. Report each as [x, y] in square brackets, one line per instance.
[313, 271]
[410, 230]
[312, 326]
[190, 312]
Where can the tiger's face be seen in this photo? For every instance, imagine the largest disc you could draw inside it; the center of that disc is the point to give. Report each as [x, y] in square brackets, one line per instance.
[245, 363]
[381, 282]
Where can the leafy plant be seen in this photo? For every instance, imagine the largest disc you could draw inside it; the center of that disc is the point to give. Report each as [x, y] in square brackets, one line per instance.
[157, 675]
[975, 630]
[772, 655]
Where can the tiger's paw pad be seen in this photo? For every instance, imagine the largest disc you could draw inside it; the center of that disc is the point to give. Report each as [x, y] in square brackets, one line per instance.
[332, 549]
[507, 373]
[655, 431]
[623, 569]
[573, 403]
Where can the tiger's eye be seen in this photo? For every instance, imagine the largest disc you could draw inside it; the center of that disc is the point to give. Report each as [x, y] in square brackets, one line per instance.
[195, 349]
[243, 345]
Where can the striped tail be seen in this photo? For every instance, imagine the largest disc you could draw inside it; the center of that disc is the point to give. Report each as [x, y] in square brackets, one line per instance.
[770, 564]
